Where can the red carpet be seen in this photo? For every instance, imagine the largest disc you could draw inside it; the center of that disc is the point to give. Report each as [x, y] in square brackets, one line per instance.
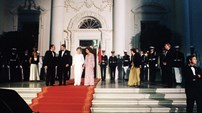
[64, 99]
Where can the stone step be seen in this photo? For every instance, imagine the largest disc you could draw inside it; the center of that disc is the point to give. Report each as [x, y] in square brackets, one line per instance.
[138, 100]
[27, 93]
[99, 102]
[139, 90]
[138, 96]
[139, 109]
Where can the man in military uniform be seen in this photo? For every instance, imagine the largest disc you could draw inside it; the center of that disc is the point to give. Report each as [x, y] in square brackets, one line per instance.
[112, 65]
[26, 65]
[103, 65]
[144, 66]
[119, 67]
[178, 63]
[15, 72]
[126, 63]
[153, 63]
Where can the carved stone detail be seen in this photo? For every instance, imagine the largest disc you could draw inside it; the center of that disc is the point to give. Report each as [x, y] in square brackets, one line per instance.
[77, 5]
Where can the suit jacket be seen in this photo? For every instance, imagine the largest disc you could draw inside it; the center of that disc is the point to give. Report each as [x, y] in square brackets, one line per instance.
[64, 59]
[50, 59]
[191, 80]
[168, 58]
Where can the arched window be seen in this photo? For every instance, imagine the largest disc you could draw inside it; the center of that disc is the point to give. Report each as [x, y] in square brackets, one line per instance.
[90, 23]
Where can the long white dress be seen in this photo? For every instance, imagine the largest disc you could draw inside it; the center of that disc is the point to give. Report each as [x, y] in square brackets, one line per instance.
[78, 61]
[34, 71]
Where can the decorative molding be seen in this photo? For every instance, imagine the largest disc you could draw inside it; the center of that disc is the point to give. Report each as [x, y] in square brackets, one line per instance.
[77, 5]
[29, 5]
[90, 30]
[75, 21]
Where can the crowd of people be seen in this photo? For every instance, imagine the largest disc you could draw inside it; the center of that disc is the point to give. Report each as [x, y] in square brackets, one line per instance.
[50, 67]
[147, 65]
[174, 68]
[138, 67]
[64, 63]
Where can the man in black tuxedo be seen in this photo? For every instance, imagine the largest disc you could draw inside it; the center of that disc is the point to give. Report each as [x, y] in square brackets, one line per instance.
[50, 64]
[64, 62]
[167, 63]
[193, 90]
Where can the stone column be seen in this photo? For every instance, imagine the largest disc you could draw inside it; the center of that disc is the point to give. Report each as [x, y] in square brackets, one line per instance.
[124, 27]
[57, 30]
[187, 36]
[119, 26]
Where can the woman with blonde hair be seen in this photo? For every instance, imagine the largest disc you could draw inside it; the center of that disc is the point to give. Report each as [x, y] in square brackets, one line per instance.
[78, 61]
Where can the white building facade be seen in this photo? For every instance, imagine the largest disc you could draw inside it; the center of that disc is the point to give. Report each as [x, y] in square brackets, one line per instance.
[117, 24]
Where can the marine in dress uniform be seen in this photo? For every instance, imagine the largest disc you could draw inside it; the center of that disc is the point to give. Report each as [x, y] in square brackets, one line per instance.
[112, 65]
[120, 67]
[144, 66]
[26, 65]
[178, 63]
[126, 64]
[103, 65]
[153, 63]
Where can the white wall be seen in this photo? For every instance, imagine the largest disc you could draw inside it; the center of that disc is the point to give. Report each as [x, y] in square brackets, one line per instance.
[8, 15]
[77, 10]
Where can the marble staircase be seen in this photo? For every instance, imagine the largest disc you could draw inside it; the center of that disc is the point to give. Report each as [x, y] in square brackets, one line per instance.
[27, 93]
[139, 100]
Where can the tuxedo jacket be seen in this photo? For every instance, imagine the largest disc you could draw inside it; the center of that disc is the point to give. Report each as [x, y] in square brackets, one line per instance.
[191, 80]
[50, 59]
[64, 59]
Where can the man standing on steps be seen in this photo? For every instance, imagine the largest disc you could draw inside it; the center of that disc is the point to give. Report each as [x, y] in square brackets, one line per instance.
[50, 64]
[193, 82]
[103, 65]
[64, 62]
[126, 63]
[153, 64]
[112, 65]
[167, 61]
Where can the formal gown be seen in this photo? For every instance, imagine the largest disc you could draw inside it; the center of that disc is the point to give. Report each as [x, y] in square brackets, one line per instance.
[89, 69]
[78, 61]
[34, 70]
[134, 78]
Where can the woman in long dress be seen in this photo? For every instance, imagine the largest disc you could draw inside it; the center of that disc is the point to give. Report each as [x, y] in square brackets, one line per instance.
[89, 67]
[78, 61]
[34, 70]
[134, 76]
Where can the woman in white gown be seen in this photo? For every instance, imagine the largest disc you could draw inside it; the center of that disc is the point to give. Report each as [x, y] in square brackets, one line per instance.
[78, 61]
[34, 71]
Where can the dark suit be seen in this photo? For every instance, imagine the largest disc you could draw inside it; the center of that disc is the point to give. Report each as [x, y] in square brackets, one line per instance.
[192, 88]
[50, 62]
[69, 67]
[167, 74]
[63, 60]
